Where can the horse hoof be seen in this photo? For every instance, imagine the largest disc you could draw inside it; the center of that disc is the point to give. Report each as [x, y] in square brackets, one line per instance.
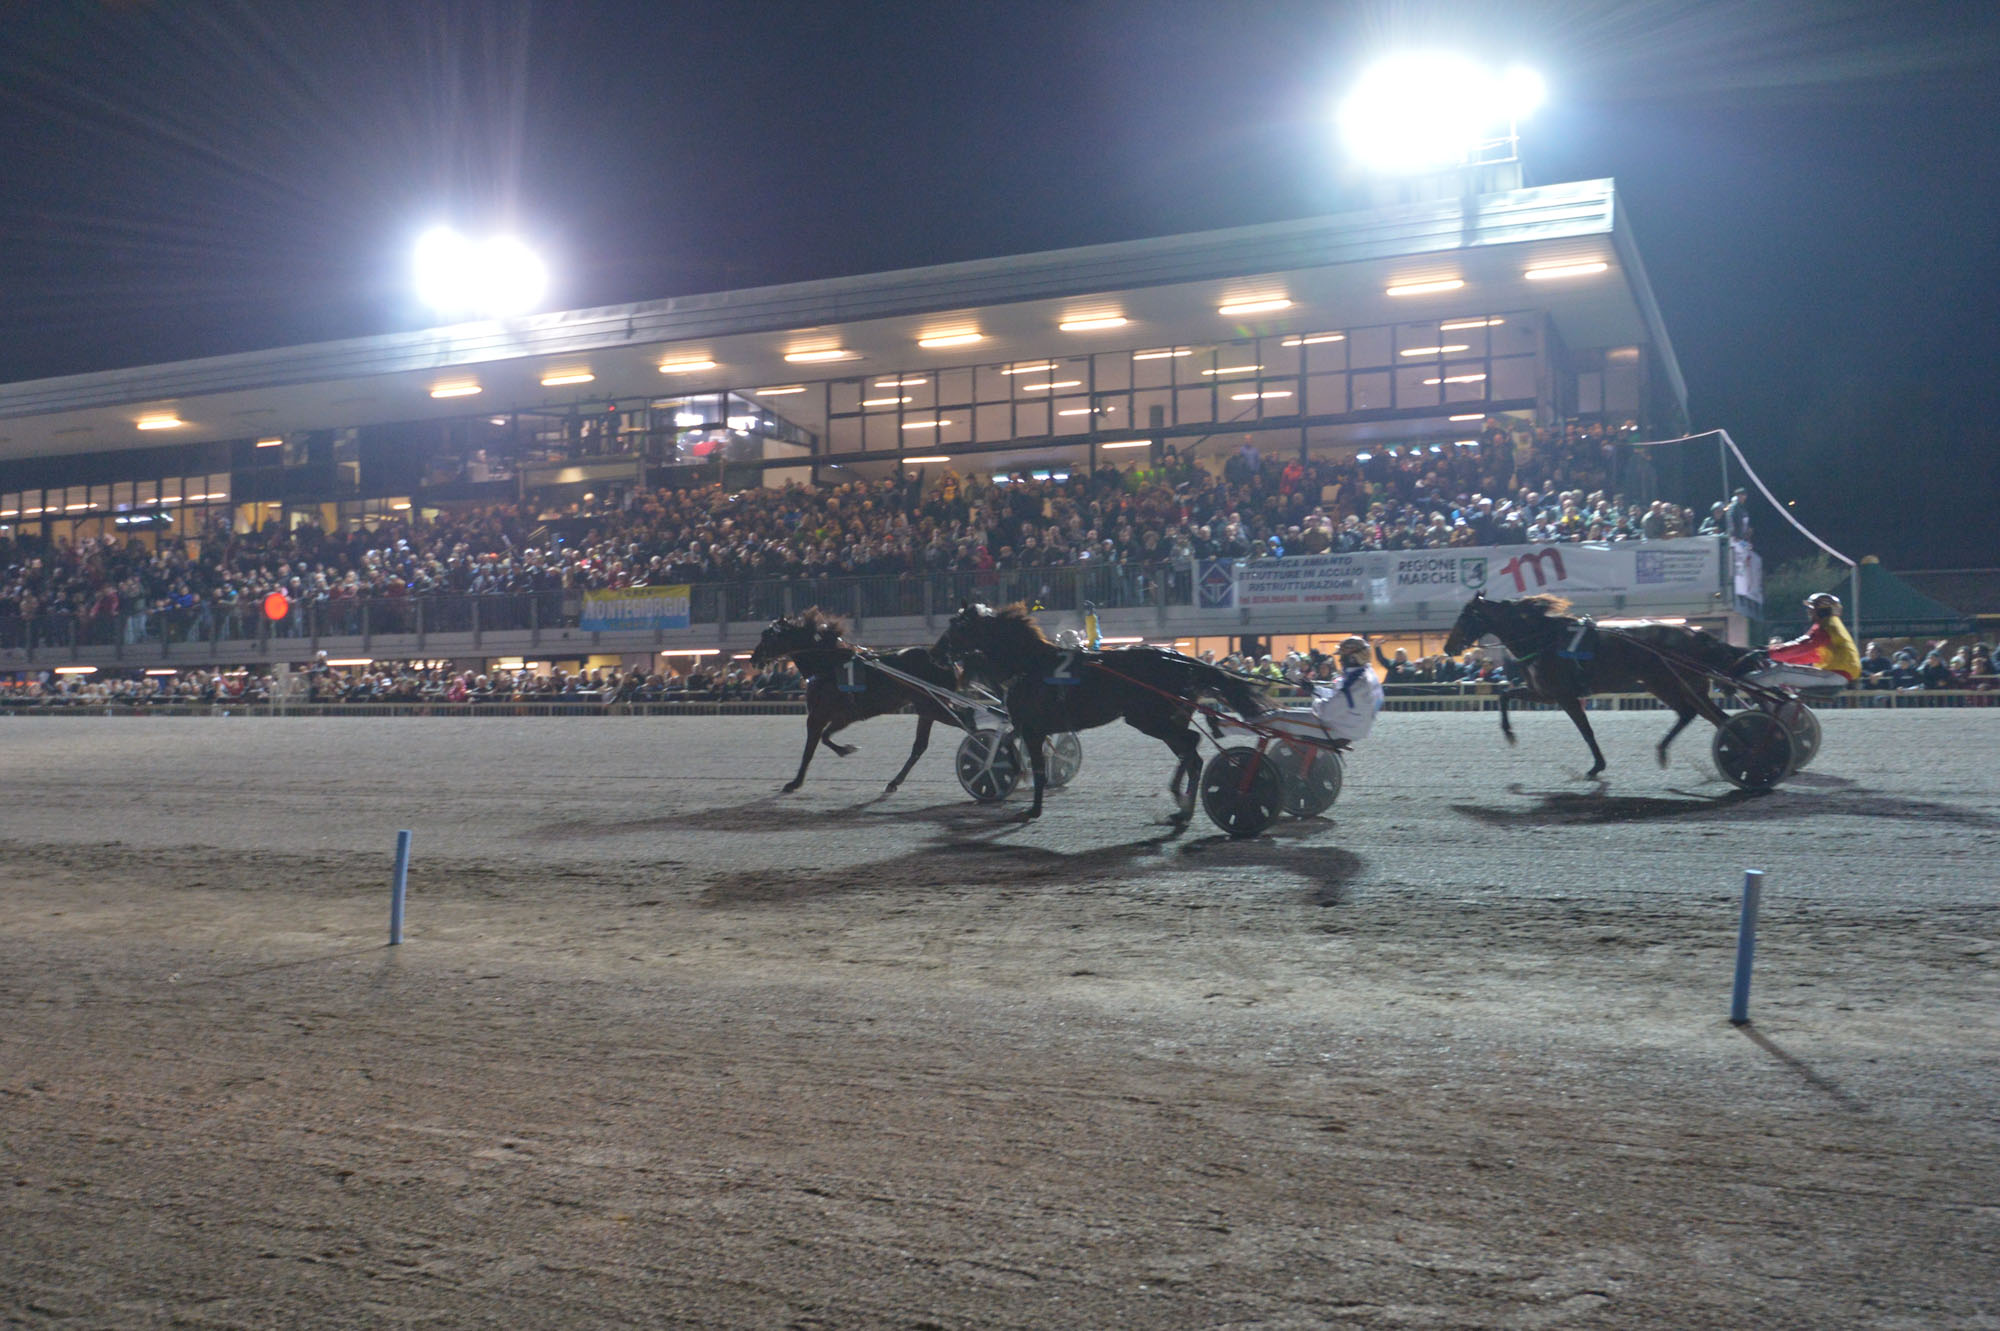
[1510, 737]
[788, 787]
[890, 789]
[845, 750]
[1662, 754]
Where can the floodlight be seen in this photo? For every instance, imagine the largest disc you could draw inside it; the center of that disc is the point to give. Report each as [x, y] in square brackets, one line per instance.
[1431, 110]
[493, 277]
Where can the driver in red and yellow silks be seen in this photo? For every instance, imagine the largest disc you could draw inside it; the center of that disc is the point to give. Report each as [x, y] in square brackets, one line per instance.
[1827, 645]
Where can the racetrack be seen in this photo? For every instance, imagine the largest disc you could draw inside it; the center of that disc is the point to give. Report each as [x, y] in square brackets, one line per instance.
[667, 1048]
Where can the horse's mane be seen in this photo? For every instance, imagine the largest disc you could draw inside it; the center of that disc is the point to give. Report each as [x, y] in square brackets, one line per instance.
[1019, 614]
[821, 624]
[1545, 606]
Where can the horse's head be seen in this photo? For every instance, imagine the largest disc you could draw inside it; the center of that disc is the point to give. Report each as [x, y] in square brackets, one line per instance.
[966, 633]
[796, 633]
[1471, 625]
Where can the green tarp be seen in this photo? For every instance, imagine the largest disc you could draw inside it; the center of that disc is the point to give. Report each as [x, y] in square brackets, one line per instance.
[1892, 608]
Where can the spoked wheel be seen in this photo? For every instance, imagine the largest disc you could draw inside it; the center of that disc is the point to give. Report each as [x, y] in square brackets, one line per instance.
[1803, 723]
[989, 765]
[1242, 790]
[1062, 757]
[1754, 750]
[1312, 777]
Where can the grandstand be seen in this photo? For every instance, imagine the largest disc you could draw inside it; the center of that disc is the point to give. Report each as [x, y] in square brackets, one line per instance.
[623, 487]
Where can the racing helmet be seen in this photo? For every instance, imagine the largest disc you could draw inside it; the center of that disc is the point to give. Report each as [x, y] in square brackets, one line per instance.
[1823, 601]
[1353, 645]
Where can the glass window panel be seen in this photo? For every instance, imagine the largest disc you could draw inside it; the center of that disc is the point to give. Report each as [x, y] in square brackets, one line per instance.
[1193, 405]
[218, 485]
[1465, 381]
[1326, 395]
[1031, 418]
[921, 389]
[121, 495]
[1195, 367]
[1152, 409]
[1516, 336]
[1589, 393]
[953, 387]
[1153, 371]
[1621, 384]
[1277, 358]
[1413, 391]
[992, 385]
[1113, 371]
[10, 506]
[993, 422]
[1114, 411]
[1072, 415]
[1371, 390]
[1279, 399]
[1368, 347]
[1418, 337]
[1513, 376]
[882, 432]
[1324, 356]
[844, 395]
[957, 428]
[843, 434]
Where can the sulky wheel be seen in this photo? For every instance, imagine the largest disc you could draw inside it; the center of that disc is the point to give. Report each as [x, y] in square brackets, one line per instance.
[1803, 724]
[989, 765]
[1312, 777]
[1062, 757]
[1242, 790]
[1754, 750]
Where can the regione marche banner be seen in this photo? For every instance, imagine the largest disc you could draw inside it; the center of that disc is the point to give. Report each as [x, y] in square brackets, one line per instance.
[636, 608]
[1668, 572]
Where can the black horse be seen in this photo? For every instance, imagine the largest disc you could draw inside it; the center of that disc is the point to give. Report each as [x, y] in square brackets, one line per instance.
[1566, 659]
[1050, 690]
[841, 688]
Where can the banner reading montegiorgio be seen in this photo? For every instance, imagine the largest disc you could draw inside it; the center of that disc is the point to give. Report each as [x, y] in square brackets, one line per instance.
[637, 608]
[1640, 571]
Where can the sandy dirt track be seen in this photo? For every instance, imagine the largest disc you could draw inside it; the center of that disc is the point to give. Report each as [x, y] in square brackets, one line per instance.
[665, 1048]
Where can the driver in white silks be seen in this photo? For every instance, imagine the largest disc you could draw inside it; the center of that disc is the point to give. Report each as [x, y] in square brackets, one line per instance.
[1343, 708]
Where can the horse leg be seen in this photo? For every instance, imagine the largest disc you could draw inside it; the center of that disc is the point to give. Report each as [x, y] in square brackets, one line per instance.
[1187, 777]
[844, 750]
[815, 733]
[924, 723]
[1690, 700]
[1038, 763]
[1506, 724]
[1574, 706]
[1687, 714]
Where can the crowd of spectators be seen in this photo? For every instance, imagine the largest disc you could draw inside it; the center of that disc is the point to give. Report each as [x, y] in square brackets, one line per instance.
[1936, 666]
[1512, 485]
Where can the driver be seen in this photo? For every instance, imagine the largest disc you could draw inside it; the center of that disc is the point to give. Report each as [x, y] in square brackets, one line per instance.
[1342, 710]
[1824, 656]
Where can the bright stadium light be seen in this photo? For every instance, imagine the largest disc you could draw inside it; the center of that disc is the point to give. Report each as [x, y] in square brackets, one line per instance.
[490, 278]
[1432, 110]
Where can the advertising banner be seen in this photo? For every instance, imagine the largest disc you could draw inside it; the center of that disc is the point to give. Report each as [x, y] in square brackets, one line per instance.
[1656, 572]
[636, 608]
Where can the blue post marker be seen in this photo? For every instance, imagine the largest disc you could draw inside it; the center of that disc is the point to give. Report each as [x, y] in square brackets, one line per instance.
[1746, 947]
[401, 889]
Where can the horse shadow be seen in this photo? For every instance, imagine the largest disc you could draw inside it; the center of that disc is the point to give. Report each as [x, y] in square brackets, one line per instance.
[1840, 798]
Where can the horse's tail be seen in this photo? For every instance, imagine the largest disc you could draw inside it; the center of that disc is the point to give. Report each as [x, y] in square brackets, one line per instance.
[1240, 692]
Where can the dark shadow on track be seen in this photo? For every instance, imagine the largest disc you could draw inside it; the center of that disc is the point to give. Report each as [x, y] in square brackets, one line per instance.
[1735, 806]
[1818, 1081]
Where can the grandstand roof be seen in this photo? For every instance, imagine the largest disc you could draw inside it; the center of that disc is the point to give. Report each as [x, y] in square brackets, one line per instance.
[1335, 269]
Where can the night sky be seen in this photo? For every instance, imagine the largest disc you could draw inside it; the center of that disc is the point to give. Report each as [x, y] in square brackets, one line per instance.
[1815, 187]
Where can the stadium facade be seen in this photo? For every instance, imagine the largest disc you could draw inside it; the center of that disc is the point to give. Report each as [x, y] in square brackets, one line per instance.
[1401, 327]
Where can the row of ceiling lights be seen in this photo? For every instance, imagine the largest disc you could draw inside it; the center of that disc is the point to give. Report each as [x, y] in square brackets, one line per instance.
[968, 337]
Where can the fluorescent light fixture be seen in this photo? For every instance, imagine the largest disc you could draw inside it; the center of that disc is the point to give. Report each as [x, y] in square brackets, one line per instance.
[78, 508]
[1094, 324]
[163, 670]
[353, 661]
[820, 354]
[1039, 367]
[883, 401]
[1234, 369]
[901, 383]
[1457, 379]
[779, 391]
[688, 419]
[1262, 305]
[1252, 397]
[688, 365]
[76, 670]
[1469, 416]
[1163, 353]
[1078, 411]
[400, 505]
[1119, 642]
[269, 443]
[454, 390]
[1435, 351]
[938, 457]
[951, 339]
[1465, 443]
[1425, 288]
[496, 420]
[1314, 340]
[1129, 443]
[567, 377]
[1043, 388]
[1363, 457]
[1457, 324]
[1565, 270]
[693, 651]
[168, 422]
[923, 425]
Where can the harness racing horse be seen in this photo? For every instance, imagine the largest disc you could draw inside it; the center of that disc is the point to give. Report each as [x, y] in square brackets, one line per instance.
[1050, 690]
[841, 689]
[1673, 664]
